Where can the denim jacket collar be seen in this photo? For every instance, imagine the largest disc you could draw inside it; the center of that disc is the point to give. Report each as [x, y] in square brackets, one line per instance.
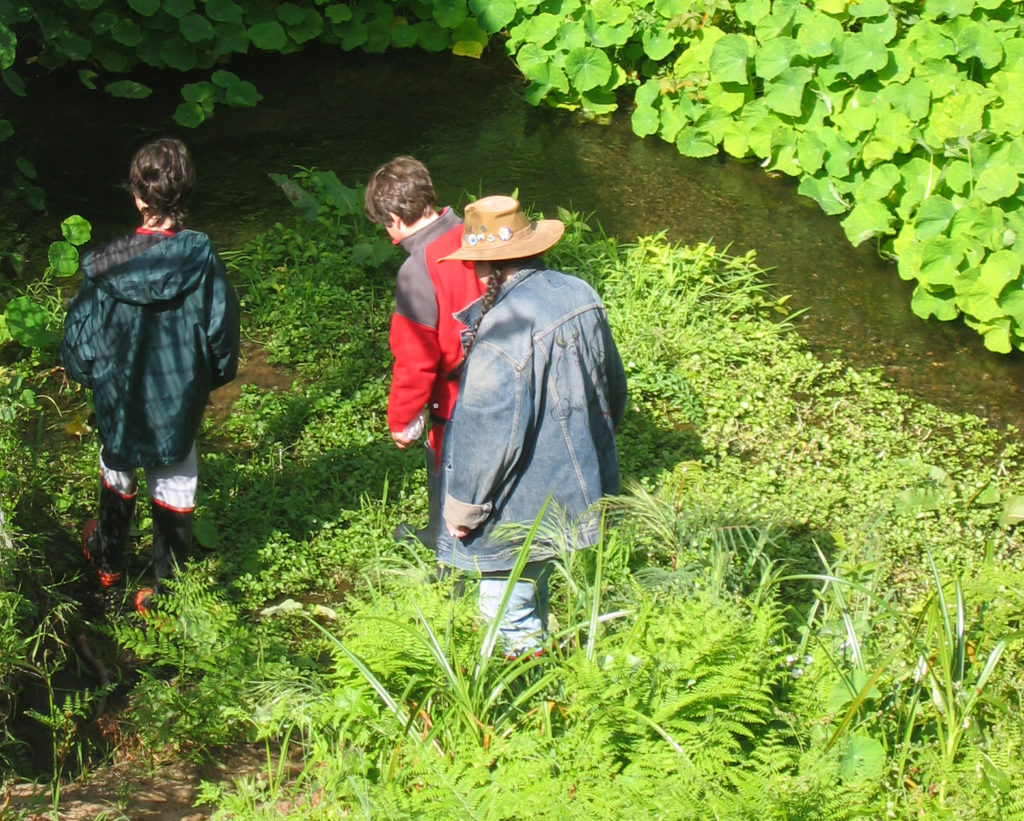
[469, 315]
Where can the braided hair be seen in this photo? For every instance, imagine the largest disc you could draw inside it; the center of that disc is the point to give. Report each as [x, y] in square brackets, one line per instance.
[500, 271]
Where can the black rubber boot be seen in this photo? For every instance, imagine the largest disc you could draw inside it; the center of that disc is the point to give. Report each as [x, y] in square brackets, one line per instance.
[427, 535]
[104, 538]
[172, 540]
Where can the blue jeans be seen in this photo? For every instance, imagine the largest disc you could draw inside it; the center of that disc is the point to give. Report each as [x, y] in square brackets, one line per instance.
[524, 623]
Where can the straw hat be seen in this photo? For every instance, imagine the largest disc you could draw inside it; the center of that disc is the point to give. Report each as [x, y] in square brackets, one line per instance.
[496, 228]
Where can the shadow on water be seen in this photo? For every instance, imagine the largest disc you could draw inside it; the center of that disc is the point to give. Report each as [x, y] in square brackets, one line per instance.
[467, 120]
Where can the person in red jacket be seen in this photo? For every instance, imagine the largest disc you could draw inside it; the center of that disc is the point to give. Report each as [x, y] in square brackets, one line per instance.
[425, 336]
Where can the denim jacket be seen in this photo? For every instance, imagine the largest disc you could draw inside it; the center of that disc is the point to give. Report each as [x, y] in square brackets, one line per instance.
[542, 392]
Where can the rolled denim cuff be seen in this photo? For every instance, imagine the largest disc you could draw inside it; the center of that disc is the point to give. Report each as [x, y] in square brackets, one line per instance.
[465, 514]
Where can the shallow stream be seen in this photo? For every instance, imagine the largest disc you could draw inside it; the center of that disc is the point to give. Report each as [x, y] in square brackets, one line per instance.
[467, 121]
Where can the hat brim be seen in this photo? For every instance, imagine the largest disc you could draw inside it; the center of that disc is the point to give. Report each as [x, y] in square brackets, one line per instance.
[544, 235]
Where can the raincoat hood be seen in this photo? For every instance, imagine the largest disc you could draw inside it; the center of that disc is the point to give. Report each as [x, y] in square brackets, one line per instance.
[162, 273]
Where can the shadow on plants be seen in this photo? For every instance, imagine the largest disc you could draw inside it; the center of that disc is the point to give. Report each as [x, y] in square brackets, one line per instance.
[647, 448]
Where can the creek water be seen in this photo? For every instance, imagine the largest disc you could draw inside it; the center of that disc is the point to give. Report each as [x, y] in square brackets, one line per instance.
[467, 120]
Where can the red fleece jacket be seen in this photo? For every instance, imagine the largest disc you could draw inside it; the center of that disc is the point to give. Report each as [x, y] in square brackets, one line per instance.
[425, 337]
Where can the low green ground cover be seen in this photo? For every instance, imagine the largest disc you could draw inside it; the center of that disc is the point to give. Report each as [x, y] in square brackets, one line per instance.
[806, 605]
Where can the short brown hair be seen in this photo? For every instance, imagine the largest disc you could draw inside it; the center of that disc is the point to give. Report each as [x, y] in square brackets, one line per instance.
[162, 176]
[402, 187]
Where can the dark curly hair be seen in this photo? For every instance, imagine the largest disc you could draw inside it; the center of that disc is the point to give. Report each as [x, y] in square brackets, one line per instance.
[162, 176]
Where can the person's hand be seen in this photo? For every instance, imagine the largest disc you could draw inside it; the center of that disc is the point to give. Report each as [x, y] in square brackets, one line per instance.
[402, 440]
[413, 431]
[458, 532]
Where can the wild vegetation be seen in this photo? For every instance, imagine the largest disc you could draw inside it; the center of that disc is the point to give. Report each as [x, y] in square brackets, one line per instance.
[806, 604]
[900, 116]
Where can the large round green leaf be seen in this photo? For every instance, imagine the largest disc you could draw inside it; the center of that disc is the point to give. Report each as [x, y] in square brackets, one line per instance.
[205, 94]
[290, 14]
[147, 8]
[178, 8]
[402, 34]
[63, 258]
[645, 121]
[431, 36]
[942, 305]
[338, 13]
[867, 220]
[25, 166]
[810, 151]
[999, 270]
[468, 40]
[450, 13]
[534, 62]
[861, 52]
[878, 184]
[223, 78]
[224, 11]
[870, 8]
[926, 40]
[242, 94]
[269, 36]
[946, 8]
[658, 43]
[571, 34]
[127, 33]
[8, 47]
[76, 229]
[178, 54]
[821, 190]
[997, 336]
[785, 93]
[676, 114]
[73, 46]
[986, 224]
[14, 82]
[103, 23]
[729, 97]
[354, 35]
[189, 115]
[933, 217]
[954, 116]
[974, 39]
[752, 11]
[774, 57]
[195, 28]
[599, 101]
[587, 67]
[493, 15]
[694, 143]
[26, 323]
[996, 182]
[817, 33]
[232, 38]
[734, 140]
[128, 89]
[540, 29]
[729, 60]
[308, 26]
[940, 259]
[673, 8]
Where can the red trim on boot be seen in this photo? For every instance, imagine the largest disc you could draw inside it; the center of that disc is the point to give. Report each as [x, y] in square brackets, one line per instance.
[105, 578]
[143, 601]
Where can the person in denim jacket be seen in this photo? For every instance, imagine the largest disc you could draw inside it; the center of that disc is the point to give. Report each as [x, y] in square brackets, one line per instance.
[542, 392]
